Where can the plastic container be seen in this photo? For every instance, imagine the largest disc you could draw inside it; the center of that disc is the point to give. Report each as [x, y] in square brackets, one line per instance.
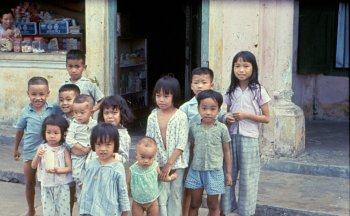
[27, 45]
[17, 45]
[39, 45]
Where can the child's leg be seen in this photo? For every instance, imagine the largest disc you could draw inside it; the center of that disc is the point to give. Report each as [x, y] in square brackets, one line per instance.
[174, 205]
[153, 209]
[136, 209]
[29, 175]
[72, 196]
[62, 195]
[213, 205]
[186, 202]
[196, 201]
[48, 201]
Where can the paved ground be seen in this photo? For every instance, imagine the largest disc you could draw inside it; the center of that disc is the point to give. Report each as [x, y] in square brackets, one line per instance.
[280, 193]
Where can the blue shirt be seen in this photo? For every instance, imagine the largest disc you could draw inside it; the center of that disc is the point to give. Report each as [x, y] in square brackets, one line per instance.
[87, 87]
[30, 123]
[104, 189]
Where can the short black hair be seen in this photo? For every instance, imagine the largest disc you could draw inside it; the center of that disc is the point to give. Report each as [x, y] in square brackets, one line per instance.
[69, 87]
[56, 120]
[37, 80]
[6, 11]
[75, 54]
[103, 132]
[216, 96]
[169, 85]
[203, 71]
[82, 98]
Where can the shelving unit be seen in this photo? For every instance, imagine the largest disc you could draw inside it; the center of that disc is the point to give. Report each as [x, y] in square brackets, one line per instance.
[133, 72]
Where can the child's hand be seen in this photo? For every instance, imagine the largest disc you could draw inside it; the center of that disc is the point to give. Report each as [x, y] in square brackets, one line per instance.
[239, 116]
[165, 172]
[54, 170]
[40, 153]
[16, 154]
[228, 179]
[230, 119]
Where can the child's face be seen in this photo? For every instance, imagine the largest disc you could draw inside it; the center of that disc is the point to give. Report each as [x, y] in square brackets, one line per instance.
[75, 68]
[66, 99]
[243, 70]
[82, 112]
[112, 115]
[38, 95]
[105, 150]
[53, 135]
[145, 155]
[208, 110]
[7, 21]
[200, 83]
[164, 101]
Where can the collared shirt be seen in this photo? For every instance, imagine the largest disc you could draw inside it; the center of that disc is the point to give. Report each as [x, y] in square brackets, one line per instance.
[87, 87]
[176, 137]
[104, 189]
[191, 109]
[30, 122]
[80, 133]
[246, 101]
[208, 143]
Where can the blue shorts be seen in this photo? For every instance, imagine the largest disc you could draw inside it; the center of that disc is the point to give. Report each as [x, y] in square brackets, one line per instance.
[213, 181]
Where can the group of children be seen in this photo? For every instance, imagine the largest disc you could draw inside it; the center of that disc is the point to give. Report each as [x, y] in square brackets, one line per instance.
[186, 149]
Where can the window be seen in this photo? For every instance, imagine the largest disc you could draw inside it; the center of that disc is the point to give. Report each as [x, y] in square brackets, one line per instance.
[320, 41]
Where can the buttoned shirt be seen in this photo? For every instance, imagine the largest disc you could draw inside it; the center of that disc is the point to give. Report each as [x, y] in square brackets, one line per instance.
[208, 144]
[87, 87]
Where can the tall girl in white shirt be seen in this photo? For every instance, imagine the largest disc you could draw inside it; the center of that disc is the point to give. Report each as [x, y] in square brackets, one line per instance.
[247, 107]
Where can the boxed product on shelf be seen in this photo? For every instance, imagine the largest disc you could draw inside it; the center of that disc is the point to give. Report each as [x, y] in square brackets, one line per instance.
[54, 27]
[28, 28]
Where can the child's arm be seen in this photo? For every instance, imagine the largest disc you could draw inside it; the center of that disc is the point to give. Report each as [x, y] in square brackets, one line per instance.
[227, 159]
[19, 136]
[76, 148]
[67, 168]
[263, 118]
[169, 164]
[37, 158]
[169, 178]
[97, 105]
[80, 150]
[128, 179]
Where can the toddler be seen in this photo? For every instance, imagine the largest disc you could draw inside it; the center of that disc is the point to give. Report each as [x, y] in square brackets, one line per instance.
[54, 167]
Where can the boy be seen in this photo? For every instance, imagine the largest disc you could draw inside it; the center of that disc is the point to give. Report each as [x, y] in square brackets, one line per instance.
[75, 64]
[78, 136]
[29, 125]
[210, 142]
[66, 96]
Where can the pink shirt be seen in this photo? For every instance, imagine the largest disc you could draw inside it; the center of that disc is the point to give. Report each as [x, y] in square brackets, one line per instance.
[246, 101]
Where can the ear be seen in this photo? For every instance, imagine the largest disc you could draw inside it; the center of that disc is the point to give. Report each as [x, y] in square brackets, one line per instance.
[211, 85]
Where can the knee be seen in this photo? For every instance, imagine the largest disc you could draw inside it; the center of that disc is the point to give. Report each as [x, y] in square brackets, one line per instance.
[213, 205]
[195, 204]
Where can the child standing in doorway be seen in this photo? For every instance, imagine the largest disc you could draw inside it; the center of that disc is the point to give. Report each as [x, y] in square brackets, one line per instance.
[54, 173]
[247, 106]
[116, 111]
[105, 191]
[210, 139]
[168, 126]
[29, 128]
[143, 179]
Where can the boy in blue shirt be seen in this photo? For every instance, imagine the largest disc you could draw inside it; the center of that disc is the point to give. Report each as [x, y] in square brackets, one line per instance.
[29, 125]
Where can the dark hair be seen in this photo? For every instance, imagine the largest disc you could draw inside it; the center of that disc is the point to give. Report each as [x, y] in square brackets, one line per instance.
[103, 132]
[82, 98]
[75, 54]
[169, 85]
[6, 11]
[69, 87]
[37, 80]
[56, 120]
[203, 71]
[116, 102]
[216, 96]
[253, 80]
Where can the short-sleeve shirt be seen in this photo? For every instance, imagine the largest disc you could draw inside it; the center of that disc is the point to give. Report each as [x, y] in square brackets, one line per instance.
[104, 189]
[208, 143]
[246, 101]
[30, 122]
[87, 87]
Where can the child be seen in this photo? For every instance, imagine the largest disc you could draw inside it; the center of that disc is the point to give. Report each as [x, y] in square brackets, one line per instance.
[105, 190]
[75, 64]
[169, 127]
[202, 79]
[78, 136]
[7, 28]
[142, 179]
[116, 111]
[210, 139]
[247, 105]
[55, 194]
[66, 95]
[29, 126]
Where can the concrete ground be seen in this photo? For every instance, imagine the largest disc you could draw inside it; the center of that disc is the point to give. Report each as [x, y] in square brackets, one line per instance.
[316, 183]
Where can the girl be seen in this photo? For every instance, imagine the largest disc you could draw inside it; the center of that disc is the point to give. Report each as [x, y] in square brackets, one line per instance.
[168, 126]
[116, 111]
[247, 106]
[7, 28]
[104, 187]
[142, 179]
[54, 167]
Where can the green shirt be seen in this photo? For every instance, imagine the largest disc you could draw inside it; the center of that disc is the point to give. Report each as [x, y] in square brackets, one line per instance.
[208, 143]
